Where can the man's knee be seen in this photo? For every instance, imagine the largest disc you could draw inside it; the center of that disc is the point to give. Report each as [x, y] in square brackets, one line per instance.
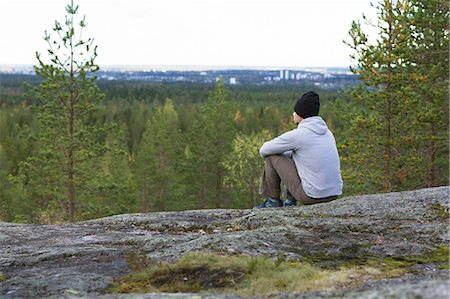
[276, 159]
[273, 157]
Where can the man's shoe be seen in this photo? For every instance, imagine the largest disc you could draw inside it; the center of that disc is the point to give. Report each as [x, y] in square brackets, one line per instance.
[290, 202]
[271, 203]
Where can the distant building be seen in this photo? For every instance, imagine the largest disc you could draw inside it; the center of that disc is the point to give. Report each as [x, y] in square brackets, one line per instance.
[281, 74]
[232, 81]
[286, 75]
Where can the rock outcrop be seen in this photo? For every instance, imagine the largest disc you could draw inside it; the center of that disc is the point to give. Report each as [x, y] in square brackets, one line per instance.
[82, 259]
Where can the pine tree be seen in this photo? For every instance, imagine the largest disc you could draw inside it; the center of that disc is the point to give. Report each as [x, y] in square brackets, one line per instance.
[380, 111]
[112, 187]
[429, 56]
[157, 161]
[6, 209]
[14, 147]
[122, 199]
[56, 172]
[244, 166]
[210, 141]
[403, 90]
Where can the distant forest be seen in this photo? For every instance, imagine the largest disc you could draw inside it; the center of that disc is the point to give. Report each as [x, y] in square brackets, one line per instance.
[133, 106]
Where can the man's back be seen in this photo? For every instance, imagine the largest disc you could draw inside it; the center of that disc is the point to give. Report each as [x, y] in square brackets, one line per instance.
[317, 159]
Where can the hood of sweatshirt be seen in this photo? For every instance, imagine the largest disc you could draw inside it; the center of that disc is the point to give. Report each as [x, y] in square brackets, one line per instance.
[315, 124]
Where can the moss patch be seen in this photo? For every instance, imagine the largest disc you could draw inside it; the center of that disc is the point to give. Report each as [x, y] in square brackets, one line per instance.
[192, 273]
[243, 275]
[259, 276]
[440, 211]
[2, 276]
[439, 256]
[137, 260]
[390, 266]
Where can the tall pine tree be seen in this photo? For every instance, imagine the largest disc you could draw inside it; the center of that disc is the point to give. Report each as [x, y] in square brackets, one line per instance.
[429, 55]
[210, 141]
[157, 160]
[387, 114]
[56, 173]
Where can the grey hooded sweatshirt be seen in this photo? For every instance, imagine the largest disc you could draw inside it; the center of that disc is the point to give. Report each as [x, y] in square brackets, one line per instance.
[313, 148]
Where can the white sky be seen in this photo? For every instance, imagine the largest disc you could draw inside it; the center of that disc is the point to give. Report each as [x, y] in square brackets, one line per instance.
[290, 33]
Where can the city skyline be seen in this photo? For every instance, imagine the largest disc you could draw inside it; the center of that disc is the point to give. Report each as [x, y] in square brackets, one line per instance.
[215, 33]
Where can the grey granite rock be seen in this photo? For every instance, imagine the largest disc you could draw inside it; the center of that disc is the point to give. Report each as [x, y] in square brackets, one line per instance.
[82, 259]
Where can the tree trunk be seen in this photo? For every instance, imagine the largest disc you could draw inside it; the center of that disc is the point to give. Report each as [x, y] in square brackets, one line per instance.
[254, 198]
[431, 156]
[144, 192]
[70, 154]
[219, 183]
[387, 172]
[70, 162]
[70, 188]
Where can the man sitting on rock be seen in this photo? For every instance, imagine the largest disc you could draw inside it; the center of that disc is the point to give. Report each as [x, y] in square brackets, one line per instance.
[305, 159]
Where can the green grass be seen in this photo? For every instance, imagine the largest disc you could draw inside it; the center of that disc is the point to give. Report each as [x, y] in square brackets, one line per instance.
[258, 276]
[242, 275]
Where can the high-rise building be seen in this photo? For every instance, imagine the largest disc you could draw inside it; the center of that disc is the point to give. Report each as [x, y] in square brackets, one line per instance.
[281, 74]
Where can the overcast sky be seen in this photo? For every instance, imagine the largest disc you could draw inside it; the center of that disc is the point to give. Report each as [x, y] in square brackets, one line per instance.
[290, 33]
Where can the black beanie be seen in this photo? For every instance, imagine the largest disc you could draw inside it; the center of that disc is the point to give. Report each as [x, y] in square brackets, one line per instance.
[308, 105]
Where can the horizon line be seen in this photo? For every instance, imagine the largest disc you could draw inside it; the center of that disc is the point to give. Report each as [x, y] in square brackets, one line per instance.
[197, 67]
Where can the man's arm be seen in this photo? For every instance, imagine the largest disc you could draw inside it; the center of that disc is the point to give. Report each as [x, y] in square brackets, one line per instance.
[279, 145]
